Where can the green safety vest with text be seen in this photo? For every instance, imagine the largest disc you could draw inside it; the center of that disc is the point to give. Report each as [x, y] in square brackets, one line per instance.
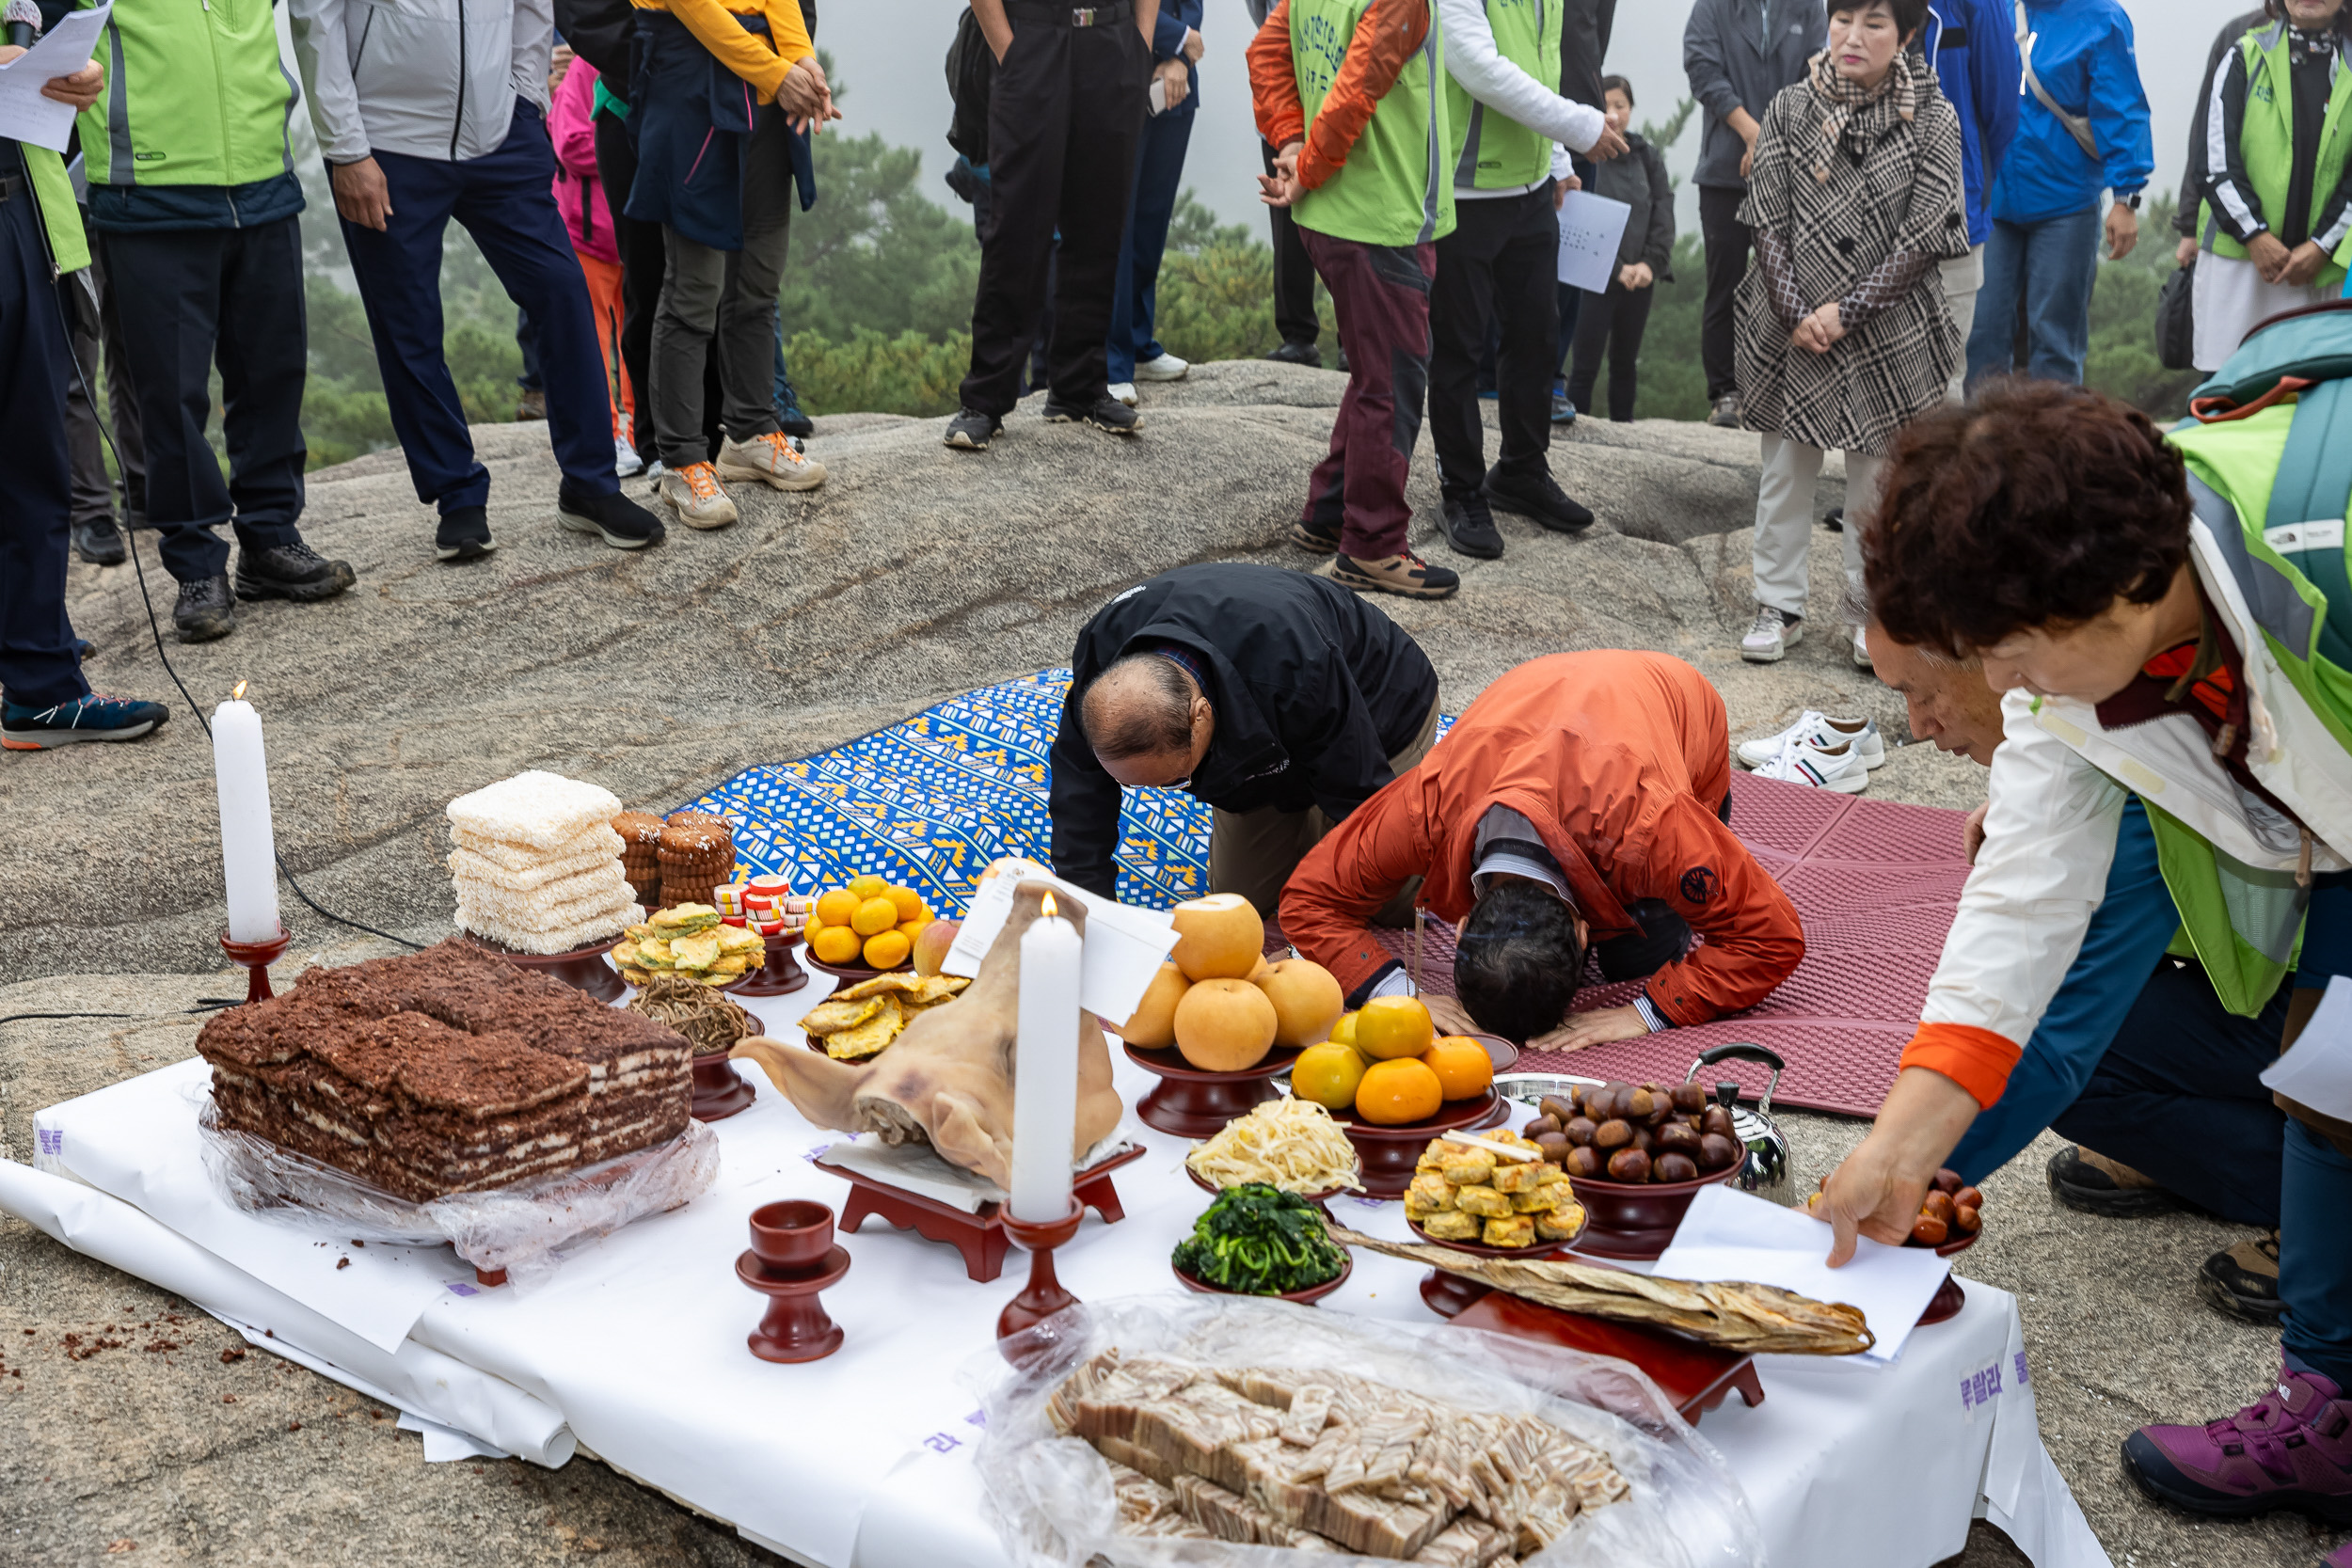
[2266, 141]
[1490, 150]
[68, 247]
[1394, 189]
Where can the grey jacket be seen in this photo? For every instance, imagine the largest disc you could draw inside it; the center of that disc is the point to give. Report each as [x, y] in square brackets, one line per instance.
[1639, 179]
[1738, 55]
[430, 78]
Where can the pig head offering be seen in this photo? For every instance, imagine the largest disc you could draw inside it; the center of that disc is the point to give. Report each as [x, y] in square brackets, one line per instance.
[947, 1078]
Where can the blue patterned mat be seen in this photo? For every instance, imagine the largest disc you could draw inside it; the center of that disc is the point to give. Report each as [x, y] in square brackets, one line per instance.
[929, 803]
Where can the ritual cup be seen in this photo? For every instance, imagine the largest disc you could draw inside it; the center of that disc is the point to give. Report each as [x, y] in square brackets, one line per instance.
[792, 1237]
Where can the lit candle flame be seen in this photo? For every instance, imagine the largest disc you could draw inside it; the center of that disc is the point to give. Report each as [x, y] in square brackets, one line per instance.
[1046, 909]
[238, 695]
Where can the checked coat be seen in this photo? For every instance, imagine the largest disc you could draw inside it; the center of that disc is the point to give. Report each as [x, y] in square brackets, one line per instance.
[1893, 186]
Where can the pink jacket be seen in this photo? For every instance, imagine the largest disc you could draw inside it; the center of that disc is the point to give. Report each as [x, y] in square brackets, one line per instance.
[578, 191]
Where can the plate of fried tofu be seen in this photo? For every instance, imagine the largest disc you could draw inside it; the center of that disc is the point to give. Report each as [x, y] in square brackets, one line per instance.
[1488, 1202]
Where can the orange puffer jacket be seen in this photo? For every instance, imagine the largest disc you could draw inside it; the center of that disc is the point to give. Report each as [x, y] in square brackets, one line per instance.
[1621, 760]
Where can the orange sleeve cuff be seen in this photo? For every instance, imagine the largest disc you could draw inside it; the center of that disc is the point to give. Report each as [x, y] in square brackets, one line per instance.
[1977, 1059]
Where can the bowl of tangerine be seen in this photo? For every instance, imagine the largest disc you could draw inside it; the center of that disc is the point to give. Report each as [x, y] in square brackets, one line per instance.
[869, 925]
[1391, 1081]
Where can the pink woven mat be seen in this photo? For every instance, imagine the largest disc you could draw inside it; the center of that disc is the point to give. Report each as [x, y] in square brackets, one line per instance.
[1876, 884]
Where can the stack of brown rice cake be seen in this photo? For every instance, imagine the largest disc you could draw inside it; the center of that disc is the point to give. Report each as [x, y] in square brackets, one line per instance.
[537, 865]
[697, 854]
[641, 854]
[446, 1072]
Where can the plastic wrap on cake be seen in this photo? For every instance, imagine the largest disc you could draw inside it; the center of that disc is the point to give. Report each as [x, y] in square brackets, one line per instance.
[522, 1229]
[1249, 1434]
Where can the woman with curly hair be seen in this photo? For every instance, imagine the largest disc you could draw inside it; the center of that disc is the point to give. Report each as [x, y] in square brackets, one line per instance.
[2151, 641]
[1843, 335]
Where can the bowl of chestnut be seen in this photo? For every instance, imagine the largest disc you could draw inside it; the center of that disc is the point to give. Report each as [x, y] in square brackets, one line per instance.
[1635, 1154]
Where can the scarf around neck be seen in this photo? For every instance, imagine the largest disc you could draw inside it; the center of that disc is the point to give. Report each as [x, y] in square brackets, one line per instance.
[1841, 99]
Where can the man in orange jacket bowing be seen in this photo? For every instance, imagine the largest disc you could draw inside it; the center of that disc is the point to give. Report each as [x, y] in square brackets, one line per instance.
[1583, 802]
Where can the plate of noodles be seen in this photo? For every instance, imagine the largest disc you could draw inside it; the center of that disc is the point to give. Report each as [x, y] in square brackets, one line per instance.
[1289, 1144]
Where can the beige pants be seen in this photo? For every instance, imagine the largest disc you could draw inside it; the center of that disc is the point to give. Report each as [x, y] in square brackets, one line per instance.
[1783, 519]
[1963, 277]
[1254, 852]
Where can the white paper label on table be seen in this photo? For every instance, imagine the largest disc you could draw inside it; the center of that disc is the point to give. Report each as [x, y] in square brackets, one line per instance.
[2317, 1072]
[1124, 945]
[1590, 228]
[444, 1443]
[69, 44]
[1730, 1236]
[137, 1140]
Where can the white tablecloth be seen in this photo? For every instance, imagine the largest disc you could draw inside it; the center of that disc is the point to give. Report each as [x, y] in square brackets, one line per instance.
[636, 1351]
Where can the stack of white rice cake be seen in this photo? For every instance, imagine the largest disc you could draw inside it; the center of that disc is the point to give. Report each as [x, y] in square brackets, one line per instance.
[537, 864]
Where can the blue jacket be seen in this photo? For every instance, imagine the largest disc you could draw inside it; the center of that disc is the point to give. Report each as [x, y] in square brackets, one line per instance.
[1168, 41]
[2082, 52]
[1974, 50]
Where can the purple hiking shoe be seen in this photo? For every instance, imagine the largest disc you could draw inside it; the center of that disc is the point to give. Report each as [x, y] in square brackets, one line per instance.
[2290, 1449]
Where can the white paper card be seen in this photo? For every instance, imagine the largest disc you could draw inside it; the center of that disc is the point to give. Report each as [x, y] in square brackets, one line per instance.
[1728, 1235]
[444, 1443]
[2317, 1072]
[1590, 228]
[64, 49]
[1124, 945]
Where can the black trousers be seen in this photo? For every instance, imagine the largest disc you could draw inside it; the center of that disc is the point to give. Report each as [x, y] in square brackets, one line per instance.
[1294, 274]
[37, 663]
[189, 298]
[91, 322]
[1063, 122]
[1611, 323]
[1728, 242]
[1501, 265]
[644, 261]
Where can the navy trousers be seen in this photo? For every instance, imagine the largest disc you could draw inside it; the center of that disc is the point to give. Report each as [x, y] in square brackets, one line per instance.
[506, 201]
[1134, 286]
[37, 663]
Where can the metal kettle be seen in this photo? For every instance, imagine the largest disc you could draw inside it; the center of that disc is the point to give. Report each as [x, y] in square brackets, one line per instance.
[1769, 1170]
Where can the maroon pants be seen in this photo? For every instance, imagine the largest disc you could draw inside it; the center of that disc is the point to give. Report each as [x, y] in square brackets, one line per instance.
[1381, 297]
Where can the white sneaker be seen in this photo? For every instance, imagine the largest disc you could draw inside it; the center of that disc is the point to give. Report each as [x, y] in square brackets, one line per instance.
[1165, 368]
[1821, 732]
[625, 462]
[655, 469]
[1838, 769]
[1124, 391]
[1771, 635]
[1862, 650]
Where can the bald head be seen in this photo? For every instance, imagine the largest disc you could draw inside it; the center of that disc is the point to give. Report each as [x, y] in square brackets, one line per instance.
[1947, 698]
[1148, 723]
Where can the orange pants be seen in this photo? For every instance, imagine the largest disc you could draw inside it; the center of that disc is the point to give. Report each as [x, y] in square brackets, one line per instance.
[604, 303]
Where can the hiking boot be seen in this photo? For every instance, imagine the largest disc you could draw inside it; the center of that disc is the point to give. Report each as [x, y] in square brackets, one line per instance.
[205, 610]
[531, 405]
[1299, 353]
[1104, 413]
[25, 728]
[1165, 368]
[1771, 635]
[771, 460]
[2094, 1184]
[100, 543]
[2242, 1281]
[1724, 411]
[2290, 1448]
[1308, 537]
[1470, 528]
[294, 571]
[464, 534]
[791, 418]
[1563, 411]
[1403, 573]
[611, 516]
[1835, 519]
[695, 494]
[1821, 731]
[972, 430]
[1538, 495]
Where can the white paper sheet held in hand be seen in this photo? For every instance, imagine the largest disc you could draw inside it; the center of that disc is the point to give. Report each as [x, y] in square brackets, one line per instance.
[2317, 1072]
[64, 49]
[1590, 228]
[1729, 1235]
[1124, 944]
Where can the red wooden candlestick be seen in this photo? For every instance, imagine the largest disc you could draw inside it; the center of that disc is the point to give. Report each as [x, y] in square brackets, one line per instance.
[792, 1257]
[256, 957]
[1043, 1295]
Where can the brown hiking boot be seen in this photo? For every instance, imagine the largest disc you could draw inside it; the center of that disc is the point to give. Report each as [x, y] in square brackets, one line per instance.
[1308, 537]
[2094, 1184]
[1403, 573]
[2242, 1281]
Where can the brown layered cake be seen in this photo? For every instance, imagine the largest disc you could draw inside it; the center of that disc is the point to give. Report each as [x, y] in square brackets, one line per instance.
[446, 1072]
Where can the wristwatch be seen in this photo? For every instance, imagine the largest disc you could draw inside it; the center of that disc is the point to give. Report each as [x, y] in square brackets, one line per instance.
[2132, 200]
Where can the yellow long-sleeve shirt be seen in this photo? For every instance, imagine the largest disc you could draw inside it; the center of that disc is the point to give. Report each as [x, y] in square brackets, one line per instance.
[761, 60]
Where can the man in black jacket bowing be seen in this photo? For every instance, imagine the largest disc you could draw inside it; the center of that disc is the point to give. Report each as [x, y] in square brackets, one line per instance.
[1280, 699]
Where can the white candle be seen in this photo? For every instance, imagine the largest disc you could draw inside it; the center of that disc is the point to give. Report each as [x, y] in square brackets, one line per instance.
[1045, 1070]
[249, 860]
